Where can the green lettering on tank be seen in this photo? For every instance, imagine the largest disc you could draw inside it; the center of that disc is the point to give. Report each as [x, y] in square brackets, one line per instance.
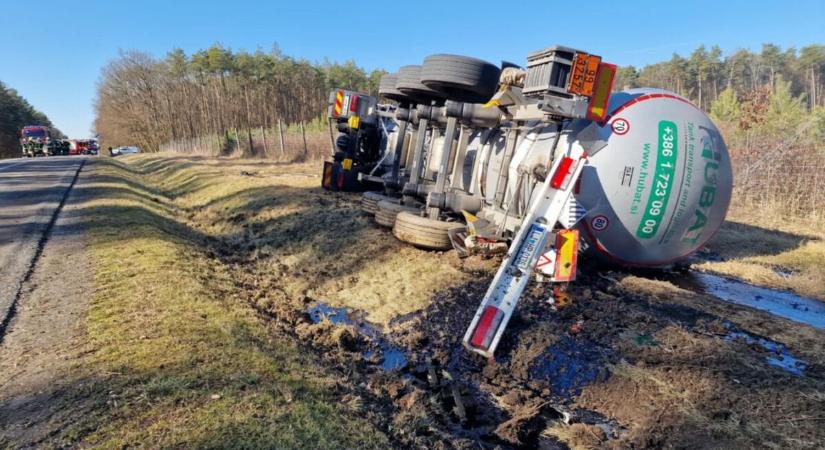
[663, 178]
[707, 196]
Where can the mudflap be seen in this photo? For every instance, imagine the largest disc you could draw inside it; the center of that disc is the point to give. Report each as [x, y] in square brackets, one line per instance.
[326, 177]
[335, 177]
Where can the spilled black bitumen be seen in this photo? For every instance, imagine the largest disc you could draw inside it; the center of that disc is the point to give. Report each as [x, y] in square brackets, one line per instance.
[569, 365]
[391, 356]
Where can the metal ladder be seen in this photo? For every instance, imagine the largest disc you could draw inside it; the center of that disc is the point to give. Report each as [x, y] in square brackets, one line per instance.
[515, 271]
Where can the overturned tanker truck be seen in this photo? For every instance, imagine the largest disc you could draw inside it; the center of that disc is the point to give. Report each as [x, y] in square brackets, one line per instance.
[540, 163]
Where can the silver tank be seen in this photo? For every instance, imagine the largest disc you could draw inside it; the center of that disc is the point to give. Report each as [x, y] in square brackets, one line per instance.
[656, 188]
[661, 186]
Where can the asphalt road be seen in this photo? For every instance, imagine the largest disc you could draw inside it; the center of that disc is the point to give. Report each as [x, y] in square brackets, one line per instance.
[31, 191]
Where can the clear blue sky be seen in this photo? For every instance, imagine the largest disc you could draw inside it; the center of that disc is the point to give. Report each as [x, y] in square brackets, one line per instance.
[56, 64]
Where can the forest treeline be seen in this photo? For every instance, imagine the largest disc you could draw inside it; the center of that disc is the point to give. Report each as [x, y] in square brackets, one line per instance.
[706, 72]
[151, 101]
[15, 113]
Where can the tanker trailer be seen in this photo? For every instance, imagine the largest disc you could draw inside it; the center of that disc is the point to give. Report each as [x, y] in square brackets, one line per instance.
[643, 175]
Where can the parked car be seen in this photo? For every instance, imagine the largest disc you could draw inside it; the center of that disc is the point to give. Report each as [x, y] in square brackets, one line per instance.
[128, 150]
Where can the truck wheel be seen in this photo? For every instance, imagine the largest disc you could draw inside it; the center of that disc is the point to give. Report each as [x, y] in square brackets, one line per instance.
[386, 89]
[409, 82]
[387, 211]
[423, 232]
[461, 78]
[369, 201]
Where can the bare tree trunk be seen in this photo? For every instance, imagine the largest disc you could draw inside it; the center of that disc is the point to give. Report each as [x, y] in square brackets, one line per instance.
[249, 136]
[331, 137]
[813, 88]
[304, 136]
[281, 134]
[263, 136]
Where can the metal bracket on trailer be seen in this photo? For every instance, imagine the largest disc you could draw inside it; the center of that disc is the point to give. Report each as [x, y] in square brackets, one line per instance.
[515, 271]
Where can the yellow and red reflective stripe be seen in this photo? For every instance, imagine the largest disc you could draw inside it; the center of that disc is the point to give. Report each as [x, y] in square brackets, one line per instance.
[339, 102]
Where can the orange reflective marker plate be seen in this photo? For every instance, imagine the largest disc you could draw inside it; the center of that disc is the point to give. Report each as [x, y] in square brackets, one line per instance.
[597, 110]
[567, 246]
[583, 74]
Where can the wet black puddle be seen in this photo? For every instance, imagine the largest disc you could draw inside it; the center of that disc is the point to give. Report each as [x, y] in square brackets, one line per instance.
[389, 357]
[779, 303]
[778, 354]
[569, 365]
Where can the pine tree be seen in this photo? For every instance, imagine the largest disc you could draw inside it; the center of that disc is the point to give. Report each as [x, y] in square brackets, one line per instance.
[726, 109]
[785, 112]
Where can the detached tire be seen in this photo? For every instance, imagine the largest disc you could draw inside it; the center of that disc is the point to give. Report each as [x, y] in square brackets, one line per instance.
[461, 78]
[370, 200]
[423, 232]
[387, 212]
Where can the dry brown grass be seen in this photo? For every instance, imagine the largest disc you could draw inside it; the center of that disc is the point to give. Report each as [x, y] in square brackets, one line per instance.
[771, 250]
[292, 241]
[578, 436]
[176, 364]
[317, 244]
[297, 146]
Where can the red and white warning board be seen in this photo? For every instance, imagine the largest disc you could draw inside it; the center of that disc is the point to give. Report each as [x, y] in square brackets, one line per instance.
[526, 252]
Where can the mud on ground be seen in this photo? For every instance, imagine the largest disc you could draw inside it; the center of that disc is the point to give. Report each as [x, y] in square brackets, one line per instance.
[623, 360]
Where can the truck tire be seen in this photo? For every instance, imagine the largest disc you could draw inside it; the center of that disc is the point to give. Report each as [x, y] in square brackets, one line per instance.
[423, 232]
[461, 78]
[369, 201]
[409, 82]
[387, 211]
[386, 88]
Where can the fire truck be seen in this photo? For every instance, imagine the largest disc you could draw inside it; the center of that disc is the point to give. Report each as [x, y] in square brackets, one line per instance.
[83, 147]
[38, 140]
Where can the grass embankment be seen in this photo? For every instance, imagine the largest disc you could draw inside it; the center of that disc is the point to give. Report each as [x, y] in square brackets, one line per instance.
[296, 241]
[170, 234]
[771, 250]
[175, 363]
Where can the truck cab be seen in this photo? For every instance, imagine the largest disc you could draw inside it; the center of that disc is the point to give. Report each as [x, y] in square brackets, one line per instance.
[34, 141]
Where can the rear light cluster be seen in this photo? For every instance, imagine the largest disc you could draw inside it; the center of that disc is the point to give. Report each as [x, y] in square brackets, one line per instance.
[344, 104]
[563, 174]
[486, 328]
